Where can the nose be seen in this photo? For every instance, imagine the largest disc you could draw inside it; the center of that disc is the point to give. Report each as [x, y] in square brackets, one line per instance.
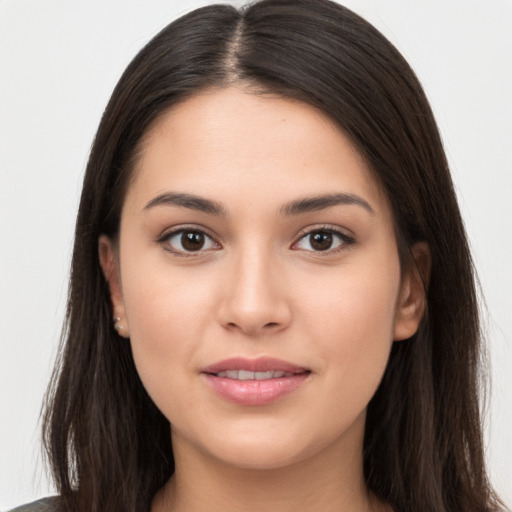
[254, 298]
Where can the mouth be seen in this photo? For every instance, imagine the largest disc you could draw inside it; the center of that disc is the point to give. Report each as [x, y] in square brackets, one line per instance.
[248, 375]
[253, 382]
[261, 367]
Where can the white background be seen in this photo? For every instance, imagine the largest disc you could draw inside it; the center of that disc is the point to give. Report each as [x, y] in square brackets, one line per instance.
[59, 61]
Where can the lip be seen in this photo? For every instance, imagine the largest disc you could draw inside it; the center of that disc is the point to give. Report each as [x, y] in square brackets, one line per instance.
[261, 364]
[255, 392]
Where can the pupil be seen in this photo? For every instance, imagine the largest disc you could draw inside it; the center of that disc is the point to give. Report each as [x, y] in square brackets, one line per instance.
[192, 241]
[321, 241]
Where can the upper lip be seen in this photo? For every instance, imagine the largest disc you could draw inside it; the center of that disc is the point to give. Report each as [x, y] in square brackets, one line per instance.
[260, 364]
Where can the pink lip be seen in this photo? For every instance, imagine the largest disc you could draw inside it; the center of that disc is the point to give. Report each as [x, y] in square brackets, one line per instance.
[261, 364]
[255, 392]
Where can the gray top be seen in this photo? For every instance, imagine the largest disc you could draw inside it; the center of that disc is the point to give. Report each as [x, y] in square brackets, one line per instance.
[43, 505]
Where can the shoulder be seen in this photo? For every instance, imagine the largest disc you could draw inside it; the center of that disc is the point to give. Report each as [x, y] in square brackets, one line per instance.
[42, 505]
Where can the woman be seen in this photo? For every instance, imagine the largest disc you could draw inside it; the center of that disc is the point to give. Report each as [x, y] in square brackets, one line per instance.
[270, 258]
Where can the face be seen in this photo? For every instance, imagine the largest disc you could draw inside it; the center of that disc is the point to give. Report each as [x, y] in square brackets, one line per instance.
[258, 280]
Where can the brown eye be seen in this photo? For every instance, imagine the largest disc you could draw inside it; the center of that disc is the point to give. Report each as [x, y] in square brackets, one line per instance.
[185, 241]
[324, 240]
[321, 241]
[192, 240]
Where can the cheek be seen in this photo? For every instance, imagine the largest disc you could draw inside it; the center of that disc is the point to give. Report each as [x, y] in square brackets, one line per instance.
[351, 323]
[168, 314]
[353, 302]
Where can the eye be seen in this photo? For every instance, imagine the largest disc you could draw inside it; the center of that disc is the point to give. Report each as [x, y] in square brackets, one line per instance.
[183, 241]
[324, 240]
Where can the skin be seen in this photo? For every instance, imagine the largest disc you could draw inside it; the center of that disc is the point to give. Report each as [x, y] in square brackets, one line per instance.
[260, 287]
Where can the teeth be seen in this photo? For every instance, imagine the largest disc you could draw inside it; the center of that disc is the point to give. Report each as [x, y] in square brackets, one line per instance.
[264, 375]
[247, 375]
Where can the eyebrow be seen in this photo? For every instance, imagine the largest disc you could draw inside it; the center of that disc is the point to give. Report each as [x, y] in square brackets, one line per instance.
[296, 207]
[189, 201]
[315, 203]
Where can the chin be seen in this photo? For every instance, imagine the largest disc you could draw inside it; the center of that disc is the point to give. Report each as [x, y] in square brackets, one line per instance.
[266, 447]
[261, 457]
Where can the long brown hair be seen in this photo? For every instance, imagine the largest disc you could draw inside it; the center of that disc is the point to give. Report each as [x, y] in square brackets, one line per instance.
[108, 445]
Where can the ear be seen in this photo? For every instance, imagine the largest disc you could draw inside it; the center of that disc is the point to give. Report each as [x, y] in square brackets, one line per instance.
[109, 262]
[412, 300]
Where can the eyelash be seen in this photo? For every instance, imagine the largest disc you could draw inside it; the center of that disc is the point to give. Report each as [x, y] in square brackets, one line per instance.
[346, 240]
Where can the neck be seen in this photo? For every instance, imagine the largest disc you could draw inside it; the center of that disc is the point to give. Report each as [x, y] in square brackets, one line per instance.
[331, 480]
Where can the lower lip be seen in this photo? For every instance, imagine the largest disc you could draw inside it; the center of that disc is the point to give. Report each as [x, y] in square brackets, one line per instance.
[255, 392]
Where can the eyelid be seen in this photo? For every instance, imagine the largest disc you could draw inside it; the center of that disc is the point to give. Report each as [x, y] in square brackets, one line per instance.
[347, 239]
[170, 233]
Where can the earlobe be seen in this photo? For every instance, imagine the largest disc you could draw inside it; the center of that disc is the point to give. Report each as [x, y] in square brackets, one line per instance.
[412, 301]
[108, 258]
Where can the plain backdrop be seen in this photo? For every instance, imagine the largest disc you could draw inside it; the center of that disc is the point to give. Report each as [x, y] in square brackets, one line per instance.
[59, 61]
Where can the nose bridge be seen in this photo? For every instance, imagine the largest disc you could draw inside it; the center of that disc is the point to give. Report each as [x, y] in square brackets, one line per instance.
[253, 272]
[255, 291]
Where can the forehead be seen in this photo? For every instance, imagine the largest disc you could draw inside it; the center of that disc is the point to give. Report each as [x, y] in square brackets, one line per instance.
[222, 142]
